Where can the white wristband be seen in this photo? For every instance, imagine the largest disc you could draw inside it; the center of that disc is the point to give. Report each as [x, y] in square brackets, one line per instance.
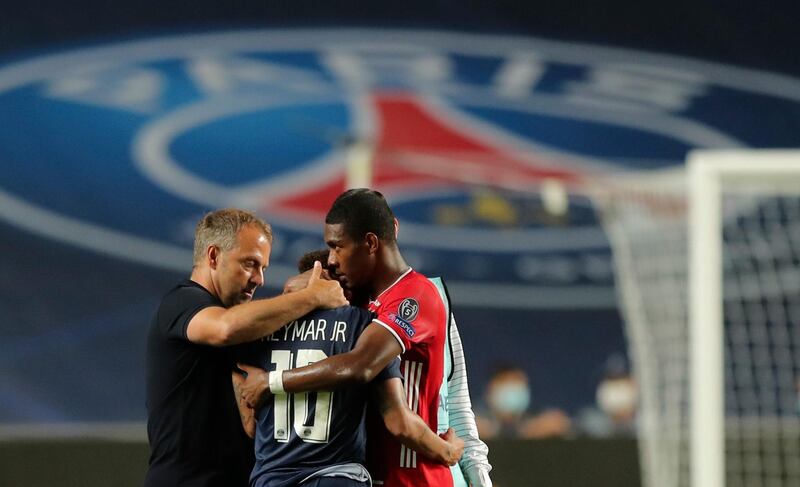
[275, 381]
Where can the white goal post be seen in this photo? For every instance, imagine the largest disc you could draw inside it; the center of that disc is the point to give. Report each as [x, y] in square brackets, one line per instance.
[711, 173]
[707, 261]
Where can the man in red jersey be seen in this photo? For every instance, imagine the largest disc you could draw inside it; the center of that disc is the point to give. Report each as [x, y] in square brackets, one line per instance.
[412, 320]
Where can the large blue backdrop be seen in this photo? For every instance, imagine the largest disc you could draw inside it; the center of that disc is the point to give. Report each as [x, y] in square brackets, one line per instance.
[117, 134]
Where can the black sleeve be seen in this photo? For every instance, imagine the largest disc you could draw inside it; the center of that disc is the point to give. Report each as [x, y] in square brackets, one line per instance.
[247, 353]
[391, 371]
[179, 307]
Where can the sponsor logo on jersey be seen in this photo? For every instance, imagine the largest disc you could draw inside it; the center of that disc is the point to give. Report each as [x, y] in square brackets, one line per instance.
[408, 309]
[404, 325]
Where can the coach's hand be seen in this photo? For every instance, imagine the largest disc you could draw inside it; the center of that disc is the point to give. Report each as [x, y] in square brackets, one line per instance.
[456, 446]
[296, 283]
[299, 282]
[329, 294]
[255, 387]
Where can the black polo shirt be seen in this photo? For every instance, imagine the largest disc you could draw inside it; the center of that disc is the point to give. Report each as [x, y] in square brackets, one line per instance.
[193, 425]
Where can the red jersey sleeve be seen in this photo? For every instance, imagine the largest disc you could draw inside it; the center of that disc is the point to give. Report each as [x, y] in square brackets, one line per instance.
[411, 312]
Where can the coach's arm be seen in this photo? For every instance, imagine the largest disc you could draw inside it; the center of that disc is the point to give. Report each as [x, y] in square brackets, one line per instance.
[246, 322]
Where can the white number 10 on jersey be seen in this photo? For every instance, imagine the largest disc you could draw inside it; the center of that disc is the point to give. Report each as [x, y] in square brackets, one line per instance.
[314, 429]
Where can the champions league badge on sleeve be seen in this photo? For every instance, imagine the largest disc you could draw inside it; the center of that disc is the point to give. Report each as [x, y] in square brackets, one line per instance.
[407, 312]
[481, 143]
[408, 309]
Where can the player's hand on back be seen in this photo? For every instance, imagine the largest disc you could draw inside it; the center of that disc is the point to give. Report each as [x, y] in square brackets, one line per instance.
[255, 387]
[329, 293]
[456, 446]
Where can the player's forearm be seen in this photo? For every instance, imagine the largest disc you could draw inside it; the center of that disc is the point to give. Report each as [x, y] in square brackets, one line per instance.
[332, 373]
[256, 319]
[375, 348]
[248, 423]
[246, 414]
[411, 430]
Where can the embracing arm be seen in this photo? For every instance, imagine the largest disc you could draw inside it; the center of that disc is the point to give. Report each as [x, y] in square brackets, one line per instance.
[375, 348]
[410, 429]
[246, 322]
[373, 351]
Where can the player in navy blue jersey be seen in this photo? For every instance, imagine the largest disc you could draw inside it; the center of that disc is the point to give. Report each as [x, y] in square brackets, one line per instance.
[318, 438]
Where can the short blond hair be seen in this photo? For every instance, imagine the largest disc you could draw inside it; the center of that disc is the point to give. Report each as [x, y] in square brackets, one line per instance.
[221, 227]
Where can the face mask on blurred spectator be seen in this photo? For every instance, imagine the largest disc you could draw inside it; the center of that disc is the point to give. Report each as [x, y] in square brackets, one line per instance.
[616, 396]
[511, 398]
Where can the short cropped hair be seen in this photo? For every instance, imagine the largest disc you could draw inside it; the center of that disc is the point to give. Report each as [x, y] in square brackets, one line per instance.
[306, 262]
[221, 227]
[362, 211]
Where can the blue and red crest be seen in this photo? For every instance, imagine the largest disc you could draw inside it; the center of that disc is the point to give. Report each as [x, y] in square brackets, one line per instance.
[120, 148]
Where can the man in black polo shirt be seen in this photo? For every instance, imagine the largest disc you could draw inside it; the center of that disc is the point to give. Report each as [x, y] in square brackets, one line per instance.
[193, 422]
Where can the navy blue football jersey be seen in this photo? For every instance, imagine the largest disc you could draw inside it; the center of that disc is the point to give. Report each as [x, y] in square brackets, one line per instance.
[299, 434]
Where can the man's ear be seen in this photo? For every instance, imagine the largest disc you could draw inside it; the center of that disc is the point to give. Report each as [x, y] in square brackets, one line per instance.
[372, 241]
[212, 254]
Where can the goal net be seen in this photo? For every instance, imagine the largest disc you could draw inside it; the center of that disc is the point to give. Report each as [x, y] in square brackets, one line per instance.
[707, 262]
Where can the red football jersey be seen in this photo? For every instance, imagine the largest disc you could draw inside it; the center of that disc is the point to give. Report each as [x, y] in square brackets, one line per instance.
[413, 311]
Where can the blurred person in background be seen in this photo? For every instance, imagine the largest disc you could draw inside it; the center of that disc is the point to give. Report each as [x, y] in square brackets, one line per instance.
[193, 423]
[615, 411]
[508, 397]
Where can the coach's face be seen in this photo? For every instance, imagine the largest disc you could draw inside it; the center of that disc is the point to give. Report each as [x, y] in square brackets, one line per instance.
[239, 271]
[351, 261]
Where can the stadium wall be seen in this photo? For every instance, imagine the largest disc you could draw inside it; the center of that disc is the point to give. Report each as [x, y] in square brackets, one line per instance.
[100, 463]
